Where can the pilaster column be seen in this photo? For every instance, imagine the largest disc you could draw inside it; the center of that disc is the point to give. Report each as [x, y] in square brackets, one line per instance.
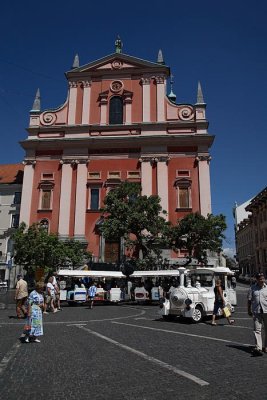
[80, 205]
[86, 102]
[160, 98]
[128, 108]
[146, 99]
[103, 108]
[162, 182]
[146, 175]
[73, 88]
[65, 199]
[26, 196]
[204, 184]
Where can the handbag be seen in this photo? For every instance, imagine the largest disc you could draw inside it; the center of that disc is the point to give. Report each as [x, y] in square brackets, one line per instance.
[226, 311]
[27, 329]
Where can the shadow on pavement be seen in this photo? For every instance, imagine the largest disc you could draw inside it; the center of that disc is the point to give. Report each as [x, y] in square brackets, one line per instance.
[246, 349]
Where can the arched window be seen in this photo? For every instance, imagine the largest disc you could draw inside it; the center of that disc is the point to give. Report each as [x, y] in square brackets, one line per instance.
[44, 224]
[116, 110]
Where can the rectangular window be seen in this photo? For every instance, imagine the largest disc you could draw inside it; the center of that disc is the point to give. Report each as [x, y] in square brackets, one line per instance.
[47, 176]
[17, 198]
[15, 221]
[94, 196]
[182, 173]
[94, 175]
[114, 175]
[46, 196]
[184, 197]
[133, 174]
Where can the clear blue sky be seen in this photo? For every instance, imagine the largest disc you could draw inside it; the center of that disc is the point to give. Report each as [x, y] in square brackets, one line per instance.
[222, 44]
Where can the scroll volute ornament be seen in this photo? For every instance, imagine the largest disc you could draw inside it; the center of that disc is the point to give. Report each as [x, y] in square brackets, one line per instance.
[186, 113]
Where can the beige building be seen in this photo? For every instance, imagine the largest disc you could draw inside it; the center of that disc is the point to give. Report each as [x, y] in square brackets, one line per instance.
[251, 234]
[258, 209]
[11, 177]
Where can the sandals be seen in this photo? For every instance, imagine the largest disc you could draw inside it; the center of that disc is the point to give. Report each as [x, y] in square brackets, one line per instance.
[213, 324]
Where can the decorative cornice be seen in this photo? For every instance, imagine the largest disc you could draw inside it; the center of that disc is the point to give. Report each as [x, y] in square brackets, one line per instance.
[203, 158]
[103, 98]
[74, 162]
[145, 81]
[154, 159]
[73, 84]
[159, 79]
[29, 162]
[86, 84]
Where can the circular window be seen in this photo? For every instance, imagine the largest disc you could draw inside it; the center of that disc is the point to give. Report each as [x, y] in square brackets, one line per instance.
[116, 86]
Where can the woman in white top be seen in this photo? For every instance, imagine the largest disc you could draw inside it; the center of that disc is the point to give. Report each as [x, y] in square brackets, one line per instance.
[50, 291]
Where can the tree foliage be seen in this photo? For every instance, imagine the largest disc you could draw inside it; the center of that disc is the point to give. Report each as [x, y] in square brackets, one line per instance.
[34, 248]
[197, 234]
[138, 219]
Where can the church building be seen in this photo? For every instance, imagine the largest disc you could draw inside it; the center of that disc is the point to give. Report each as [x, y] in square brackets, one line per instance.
[117, 124]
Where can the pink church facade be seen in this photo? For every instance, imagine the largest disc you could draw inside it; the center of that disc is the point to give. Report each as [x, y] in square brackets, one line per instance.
[117, 124]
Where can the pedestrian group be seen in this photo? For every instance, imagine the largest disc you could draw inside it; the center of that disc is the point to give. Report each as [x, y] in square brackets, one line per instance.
[44, 301]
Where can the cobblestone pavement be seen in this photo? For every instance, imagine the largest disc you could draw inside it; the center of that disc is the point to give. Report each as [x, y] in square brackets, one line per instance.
[127, 352]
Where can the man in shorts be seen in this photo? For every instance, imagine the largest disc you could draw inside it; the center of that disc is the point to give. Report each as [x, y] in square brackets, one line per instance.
[21, 296]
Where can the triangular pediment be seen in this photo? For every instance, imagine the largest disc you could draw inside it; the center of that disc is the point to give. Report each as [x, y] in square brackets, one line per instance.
[119, 62]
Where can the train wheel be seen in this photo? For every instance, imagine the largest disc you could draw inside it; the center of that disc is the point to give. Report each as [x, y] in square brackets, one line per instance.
[197, 314]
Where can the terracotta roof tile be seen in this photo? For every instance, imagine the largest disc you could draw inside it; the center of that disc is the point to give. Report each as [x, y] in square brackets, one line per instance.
[11, 173]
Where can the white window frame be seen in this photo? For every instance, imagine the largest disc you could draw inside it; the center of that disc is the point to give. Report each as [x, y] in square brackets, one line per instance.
[12, 221]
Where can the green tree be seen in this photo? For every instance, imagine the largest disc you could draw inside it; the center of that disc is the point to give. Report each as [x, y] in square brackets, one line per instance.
[34, 248]
[197, 234]
[138, 220]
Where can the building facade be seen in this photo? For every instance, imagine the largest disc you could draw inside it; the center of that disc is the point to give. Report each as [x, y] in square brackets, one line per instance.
[251, 234]
[117, 124]
[11, 177]
[258, 209]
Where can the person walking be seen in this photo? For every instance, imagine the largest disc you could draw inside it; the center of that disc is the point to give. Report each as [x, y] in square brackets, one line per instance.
[50, 299]
[34, 324]
[55, 283]
[21, 296]
[257, 308]
[219, 303]
[91, 294]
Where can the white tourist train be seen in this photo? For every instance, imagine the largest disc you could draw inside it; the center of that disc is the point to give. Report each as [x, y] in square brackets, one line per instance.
[194, 298]
[78, 292]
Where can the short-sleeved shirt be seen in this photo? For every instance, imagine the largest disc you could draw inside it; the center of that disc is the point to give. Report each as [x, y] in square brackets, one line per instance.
[92, 291]
[22, 287]
[258, 297]
[52, 289]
